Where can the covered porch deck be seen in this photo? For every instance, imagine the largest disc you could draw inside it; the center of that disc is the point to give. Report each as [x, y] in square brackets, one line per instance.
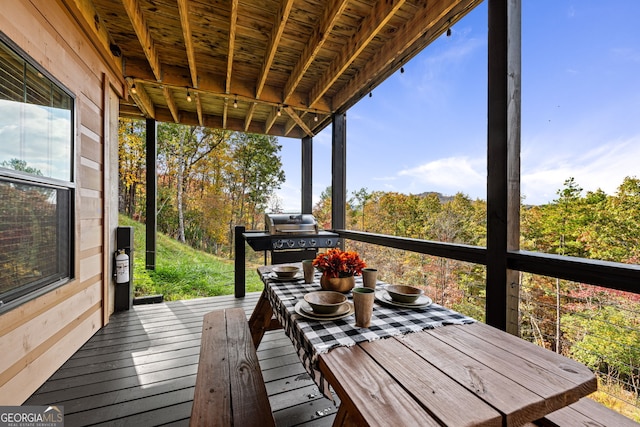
[141, 368]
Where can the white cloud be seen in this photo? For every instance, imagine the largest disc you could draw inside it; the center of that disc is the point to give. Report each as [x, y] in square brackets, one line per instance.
[289, 198]
[601, 167]
[449, 176]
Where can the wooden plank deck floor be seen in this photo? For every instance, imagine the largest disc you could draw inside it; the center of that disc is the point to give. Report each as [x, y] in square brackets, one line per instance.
[140, 370]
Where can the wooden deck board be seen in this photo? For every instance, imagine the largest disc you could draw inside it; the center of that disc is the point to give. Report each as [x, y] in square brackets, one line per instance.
[141, 368]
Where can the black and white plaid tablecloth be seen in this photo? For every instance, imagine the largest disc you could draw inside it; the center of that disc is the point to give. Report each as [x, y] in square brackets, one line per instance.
[314, 337]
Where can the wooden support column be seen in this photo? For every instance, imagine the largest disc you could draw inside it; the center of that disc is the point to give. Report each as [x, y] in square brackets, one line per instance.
[239, 264]
[497, 161]
[514, 86]
[339, 173]
[152, 196]
[307, 175]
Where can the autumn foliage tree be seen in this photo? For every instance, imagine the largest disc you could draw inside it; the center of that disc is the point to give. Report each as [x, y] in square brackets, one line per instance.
[209, 180]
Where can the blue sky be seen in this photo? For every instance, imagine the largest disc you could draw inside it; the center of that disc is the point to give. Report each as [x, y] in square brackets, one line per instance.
[425, 129]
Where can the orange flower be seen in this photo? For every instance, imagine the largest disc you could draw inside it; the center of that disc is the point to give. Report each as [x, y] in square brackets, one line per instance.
[337, 263]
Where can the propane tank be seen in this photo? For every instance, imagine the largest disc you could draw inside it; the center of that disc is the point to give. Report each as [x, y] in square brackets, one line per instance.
[122, 267]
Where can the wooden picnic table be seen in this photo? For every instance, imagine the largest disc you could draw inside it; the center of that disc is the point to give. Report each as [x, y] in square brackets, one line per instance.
[458, 375]
[453, 375]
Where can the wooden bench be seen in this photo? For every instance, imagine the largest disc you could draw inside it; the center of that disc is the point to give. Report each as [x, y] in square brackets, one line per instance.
[229, 390]
[585, 412]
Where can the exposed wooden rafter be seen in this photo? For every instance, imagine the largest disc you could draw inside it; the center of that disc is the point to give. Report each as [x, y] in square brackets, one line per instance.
[308, 57]
[249, 115]
[171, 103]
[271, 119]
[141, 98]
[272, 44]
[225, 112]
[199, 109]
[188, 40]
[298, 120]
[332, 12]
[369, 28]
[144, 36]
[212, 85]
[232, 43]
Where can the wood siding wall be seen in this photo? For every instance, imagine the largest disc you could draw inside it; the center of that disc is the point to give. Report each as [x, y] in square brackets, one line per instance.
[39, 336]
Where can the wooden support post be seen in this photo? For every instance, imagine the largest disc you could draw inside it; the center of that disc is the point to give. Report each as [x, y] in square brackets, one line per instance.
[240, 269]
[307, 175]
[503, 162]
[514, 86]
[151, 222]
[339, 173]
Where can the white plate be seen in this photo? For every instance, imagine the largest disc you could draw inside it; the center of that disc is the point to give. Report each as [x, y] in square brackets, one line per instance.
[297, 276]
[299, 309]
[421, 302]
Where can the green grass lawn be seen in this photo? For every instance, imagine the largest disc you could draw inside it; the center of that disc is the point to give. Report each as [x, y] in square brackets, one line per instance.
[181, 271]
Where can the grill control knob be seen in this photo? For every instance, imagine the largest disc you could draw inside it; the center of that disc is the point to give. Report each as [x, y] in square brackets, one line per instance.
[329, 242]
[291, 243]
[277, 244]
[302, 243]
[312, 242]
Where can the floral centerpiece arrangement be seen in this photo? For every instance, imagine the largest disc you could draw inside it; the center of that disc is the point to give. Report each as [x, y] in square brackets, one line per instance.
[338, 269]
[338, 263]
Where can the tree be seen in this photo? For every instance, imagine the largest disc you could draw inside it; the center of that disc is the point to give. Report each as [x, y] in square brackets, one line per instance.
[131, 166]
[255, 175]
[182, 148]
[361, 197]
[607, 340]
[322, 209]
[20, 165]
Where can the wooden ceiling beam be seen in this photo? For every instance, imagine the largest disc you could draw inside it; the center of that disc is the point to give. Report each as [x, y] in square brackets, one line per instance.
[273, 42]
[183, 8]
[371, 25]
[225, 112]
[271, 119]
[232, 42]
[199, 109]
[132, 7]
[249, 116]
[215, 122]
[213, 85]
[330, 16]
[297, 120]
[424, 25]
[141, 98]
[171, 103]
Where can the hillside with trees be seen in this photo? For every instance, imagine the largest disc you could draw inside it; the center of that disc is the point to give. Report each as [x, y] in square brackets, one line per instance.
[209, 181]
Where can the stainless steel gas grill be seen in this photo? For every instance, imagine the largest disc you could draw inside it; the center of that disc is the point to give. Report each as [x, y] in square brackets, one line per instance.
[290, 237]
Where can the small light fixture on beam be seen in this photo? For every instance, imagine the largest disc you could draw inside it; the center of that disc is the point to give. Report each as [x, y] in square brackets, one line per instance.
[279, 112]
[370, 94]
[133, 89]
[401, 70]
[188, 95]
[315, 118]
[449, 28]
[235, 102]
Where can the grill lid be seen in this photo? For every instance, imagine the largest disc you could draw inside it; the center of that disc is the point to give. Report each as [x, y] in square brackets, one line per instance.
[290, 223]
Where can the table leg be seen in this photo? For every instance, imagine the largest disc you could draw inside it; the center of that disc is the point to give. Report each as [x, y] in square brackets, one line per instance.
[344, 419]
[261, 319]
